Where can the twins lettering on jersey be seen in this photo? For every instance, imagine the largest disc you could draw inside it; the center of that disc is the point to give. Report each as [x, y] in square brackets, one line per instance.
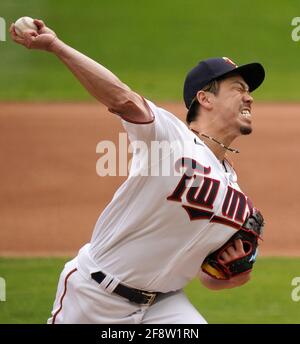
[201, 191]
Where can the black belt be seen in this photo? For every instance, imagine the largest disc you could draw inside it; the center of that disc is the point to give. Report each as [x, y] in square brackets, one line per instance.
[132, 294]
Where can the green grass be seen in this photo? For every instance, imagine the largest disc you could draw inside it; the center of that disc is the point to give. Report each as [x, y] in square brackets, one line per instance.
[151, 44]
[31, 286]
[30, 289]
[266, 299]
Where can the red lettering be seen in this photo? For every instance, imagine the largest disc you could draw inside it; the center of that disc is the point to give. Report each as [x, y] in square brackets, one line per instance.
[234, 205]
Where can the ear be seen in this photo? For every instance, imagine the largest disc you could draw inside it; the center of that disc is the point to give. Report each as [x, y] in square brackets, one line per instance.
[205, 99]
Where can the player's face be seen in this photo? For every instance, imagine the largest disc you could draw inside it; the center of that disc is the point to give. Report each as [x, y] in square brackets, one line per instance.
[232, 106]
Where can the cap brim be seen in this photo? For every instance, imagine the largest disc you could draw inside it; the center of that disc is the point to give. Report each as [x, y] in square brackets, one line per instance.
[252, 73]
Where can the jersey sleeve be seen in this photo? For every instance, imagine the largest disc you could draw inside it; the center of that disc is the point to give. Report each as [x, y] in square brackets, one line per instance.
[164, 126]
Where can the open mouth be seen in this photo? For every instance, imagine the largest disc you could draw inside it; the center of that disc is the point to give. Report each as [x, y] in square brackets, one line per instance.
[245, 114]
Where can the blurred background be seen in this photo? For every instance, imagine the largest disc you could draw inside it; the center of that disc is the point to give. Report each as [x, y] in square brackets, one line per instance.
[51, 195]
[152, 44]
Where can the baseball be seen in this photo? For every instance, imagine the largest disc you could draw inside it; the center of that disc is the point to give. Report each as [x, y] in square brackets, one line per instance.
[24, 24]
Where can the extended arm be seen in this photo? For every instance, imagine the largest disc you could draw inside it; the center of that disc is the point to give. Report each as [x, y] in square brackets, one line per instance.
[99, 81]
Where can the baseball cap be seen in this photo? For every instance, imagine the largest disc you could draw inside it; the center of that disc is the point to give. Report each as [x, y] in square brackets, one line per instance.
[214, 68]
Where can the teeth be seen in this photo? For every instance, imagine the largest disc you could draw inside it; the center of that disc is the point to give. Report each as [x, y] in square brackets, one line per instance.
[246, 113]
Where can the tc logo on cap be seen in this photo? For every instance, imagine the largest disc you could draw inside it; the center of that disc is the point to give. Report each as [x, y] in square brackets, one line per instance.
[229, 61]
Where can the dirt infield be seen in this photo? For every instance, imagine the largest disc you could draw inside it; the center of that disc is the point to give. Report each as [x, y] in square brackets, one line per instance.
[51, 195]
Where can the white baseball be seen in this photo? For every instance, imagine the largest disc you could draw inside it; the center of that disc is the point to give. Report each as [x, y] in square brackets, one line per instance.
[24, 24]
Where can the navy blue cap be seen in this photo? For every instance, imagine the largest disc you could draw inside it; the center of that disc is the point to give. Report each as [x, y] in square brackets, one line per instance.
[214, 68]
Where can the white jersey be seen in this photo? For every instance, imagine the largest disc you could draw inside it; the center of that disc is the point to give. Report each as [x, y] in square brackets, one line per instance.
[157, 230]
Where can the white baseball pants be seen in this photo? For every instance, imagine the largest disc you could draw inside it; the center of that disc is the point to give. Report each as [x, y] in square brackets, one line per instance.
[81, 300]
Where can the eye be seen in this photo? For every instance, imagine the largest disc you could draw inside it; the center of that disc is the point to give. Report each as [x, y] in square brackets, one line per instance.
[239, 89]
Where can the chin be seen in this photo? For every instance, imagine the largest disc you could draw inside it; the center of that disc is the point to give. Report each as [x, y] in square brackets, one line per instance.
[245, 130]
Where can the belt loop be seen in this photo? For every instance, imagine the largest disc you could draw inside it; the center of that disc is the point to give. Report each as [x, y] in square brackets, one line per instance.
[106, 281]
[112, 285]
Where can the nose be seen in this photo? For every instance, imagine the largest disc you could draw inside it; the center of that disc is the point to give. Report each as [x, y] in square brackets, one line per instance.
[248, 98]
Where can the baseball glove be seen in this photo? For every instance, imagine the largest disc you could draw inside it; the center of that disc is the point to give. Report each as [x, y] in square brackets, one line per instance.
[249, 234]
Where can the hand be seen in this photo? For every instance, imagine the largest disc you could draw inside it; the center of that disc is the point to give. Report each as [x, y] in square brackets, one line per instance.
[233, 252]
[41, 40]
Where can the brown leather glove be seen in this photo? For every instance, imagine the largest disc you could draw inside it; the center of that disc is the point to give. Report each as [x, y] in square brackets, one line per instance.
[249, 234]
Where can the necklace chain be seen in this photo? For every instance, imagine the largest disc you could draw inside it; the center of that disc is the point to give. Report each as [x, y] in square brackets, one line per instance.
[233, 150]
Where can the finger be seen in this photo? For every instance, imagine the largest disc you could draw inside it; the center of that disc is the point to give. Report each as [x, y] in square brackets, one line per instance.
[31, 33]
[40, 25]
[19, 40]
[14, 35]
[12, 28]
[231, 251]
[239, 247]
[28, 38]
[225, 257]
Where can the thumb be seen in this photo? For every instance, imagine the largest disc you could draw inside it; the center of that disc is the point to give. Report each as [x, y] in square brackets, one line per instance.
[40, 25]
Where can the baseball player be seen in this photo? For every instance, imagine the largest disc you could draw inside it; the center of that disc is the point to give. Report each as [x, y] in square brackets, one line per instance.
[154, 235]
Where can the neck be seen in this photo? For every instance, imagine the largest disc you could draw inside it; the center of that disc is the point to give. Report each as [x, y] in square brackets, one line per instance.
[218, 146]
